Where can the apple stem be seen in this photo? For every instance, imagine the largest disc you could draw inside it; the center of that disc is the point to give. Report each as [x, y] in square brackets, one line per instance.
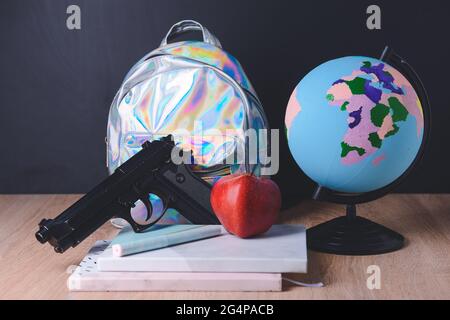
[246, 158]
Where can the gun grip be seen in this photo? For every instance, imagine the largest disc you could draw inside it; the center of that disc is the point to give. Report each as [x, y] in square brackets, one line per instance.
[191, 195]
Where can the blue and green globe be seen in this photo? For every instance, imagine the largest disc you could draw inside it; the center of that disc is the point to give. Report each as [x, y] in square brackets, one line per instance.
[354, 124]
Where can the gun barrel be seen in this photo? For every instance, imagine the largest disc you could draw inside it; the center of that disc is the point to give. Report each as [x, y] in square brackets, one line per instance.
[43, 233]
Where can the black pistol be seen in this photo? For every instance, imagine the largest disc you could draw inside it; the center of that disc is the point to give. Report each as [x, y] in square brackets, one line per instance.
[150, 171]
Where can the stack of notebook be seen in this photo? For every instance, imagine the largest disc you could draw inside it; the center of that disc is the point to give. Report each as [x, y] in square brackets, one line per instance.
[192, 258]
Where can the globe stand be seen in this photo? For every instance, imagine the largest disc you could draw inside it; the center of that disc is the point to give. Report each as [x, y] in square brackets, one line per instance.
[353, 235]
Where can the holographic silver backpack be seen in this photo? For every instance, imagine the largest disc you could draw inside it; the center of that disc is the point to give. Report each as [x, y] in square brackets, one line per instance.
[183, 86]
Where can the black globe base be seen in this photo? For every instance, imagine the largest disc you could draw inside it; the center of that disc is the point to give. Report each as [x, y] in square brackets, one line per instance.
[353, 235]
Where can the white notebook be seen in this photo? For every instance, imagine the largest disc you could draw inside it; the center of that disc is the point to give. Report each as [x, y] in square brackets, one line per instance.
[86, 277]
[280, 250]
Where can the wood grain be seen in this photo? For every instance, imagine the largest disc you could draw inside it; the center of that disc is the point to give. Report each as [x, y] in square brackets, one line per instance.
[421, 270]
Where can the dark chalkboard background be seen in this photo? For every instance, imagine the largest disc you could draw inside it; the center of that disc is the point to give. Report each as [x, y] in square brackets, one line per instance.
[56, 85]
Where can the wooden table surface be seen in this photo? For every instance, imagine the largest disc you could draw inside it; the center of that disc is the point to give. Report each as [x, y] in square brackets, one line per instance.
[421, 270]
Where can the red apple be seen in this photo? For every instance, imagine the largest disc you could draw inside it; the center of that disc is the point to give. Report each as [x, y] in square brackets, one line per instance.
[246, 205]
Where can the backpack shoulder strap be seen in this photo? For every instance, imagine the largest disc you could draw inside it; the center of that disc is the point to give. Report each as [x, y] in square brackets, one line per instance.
[191, 25]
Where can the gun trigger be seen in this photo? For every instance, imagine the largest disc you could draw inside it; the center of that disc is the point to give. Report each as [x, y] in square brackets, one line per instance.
[149, 207]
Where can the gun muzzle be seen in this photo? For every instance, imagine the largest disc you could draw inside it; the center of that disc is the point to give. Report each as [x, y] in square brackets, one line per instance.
[43, 233]
[46, 233]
